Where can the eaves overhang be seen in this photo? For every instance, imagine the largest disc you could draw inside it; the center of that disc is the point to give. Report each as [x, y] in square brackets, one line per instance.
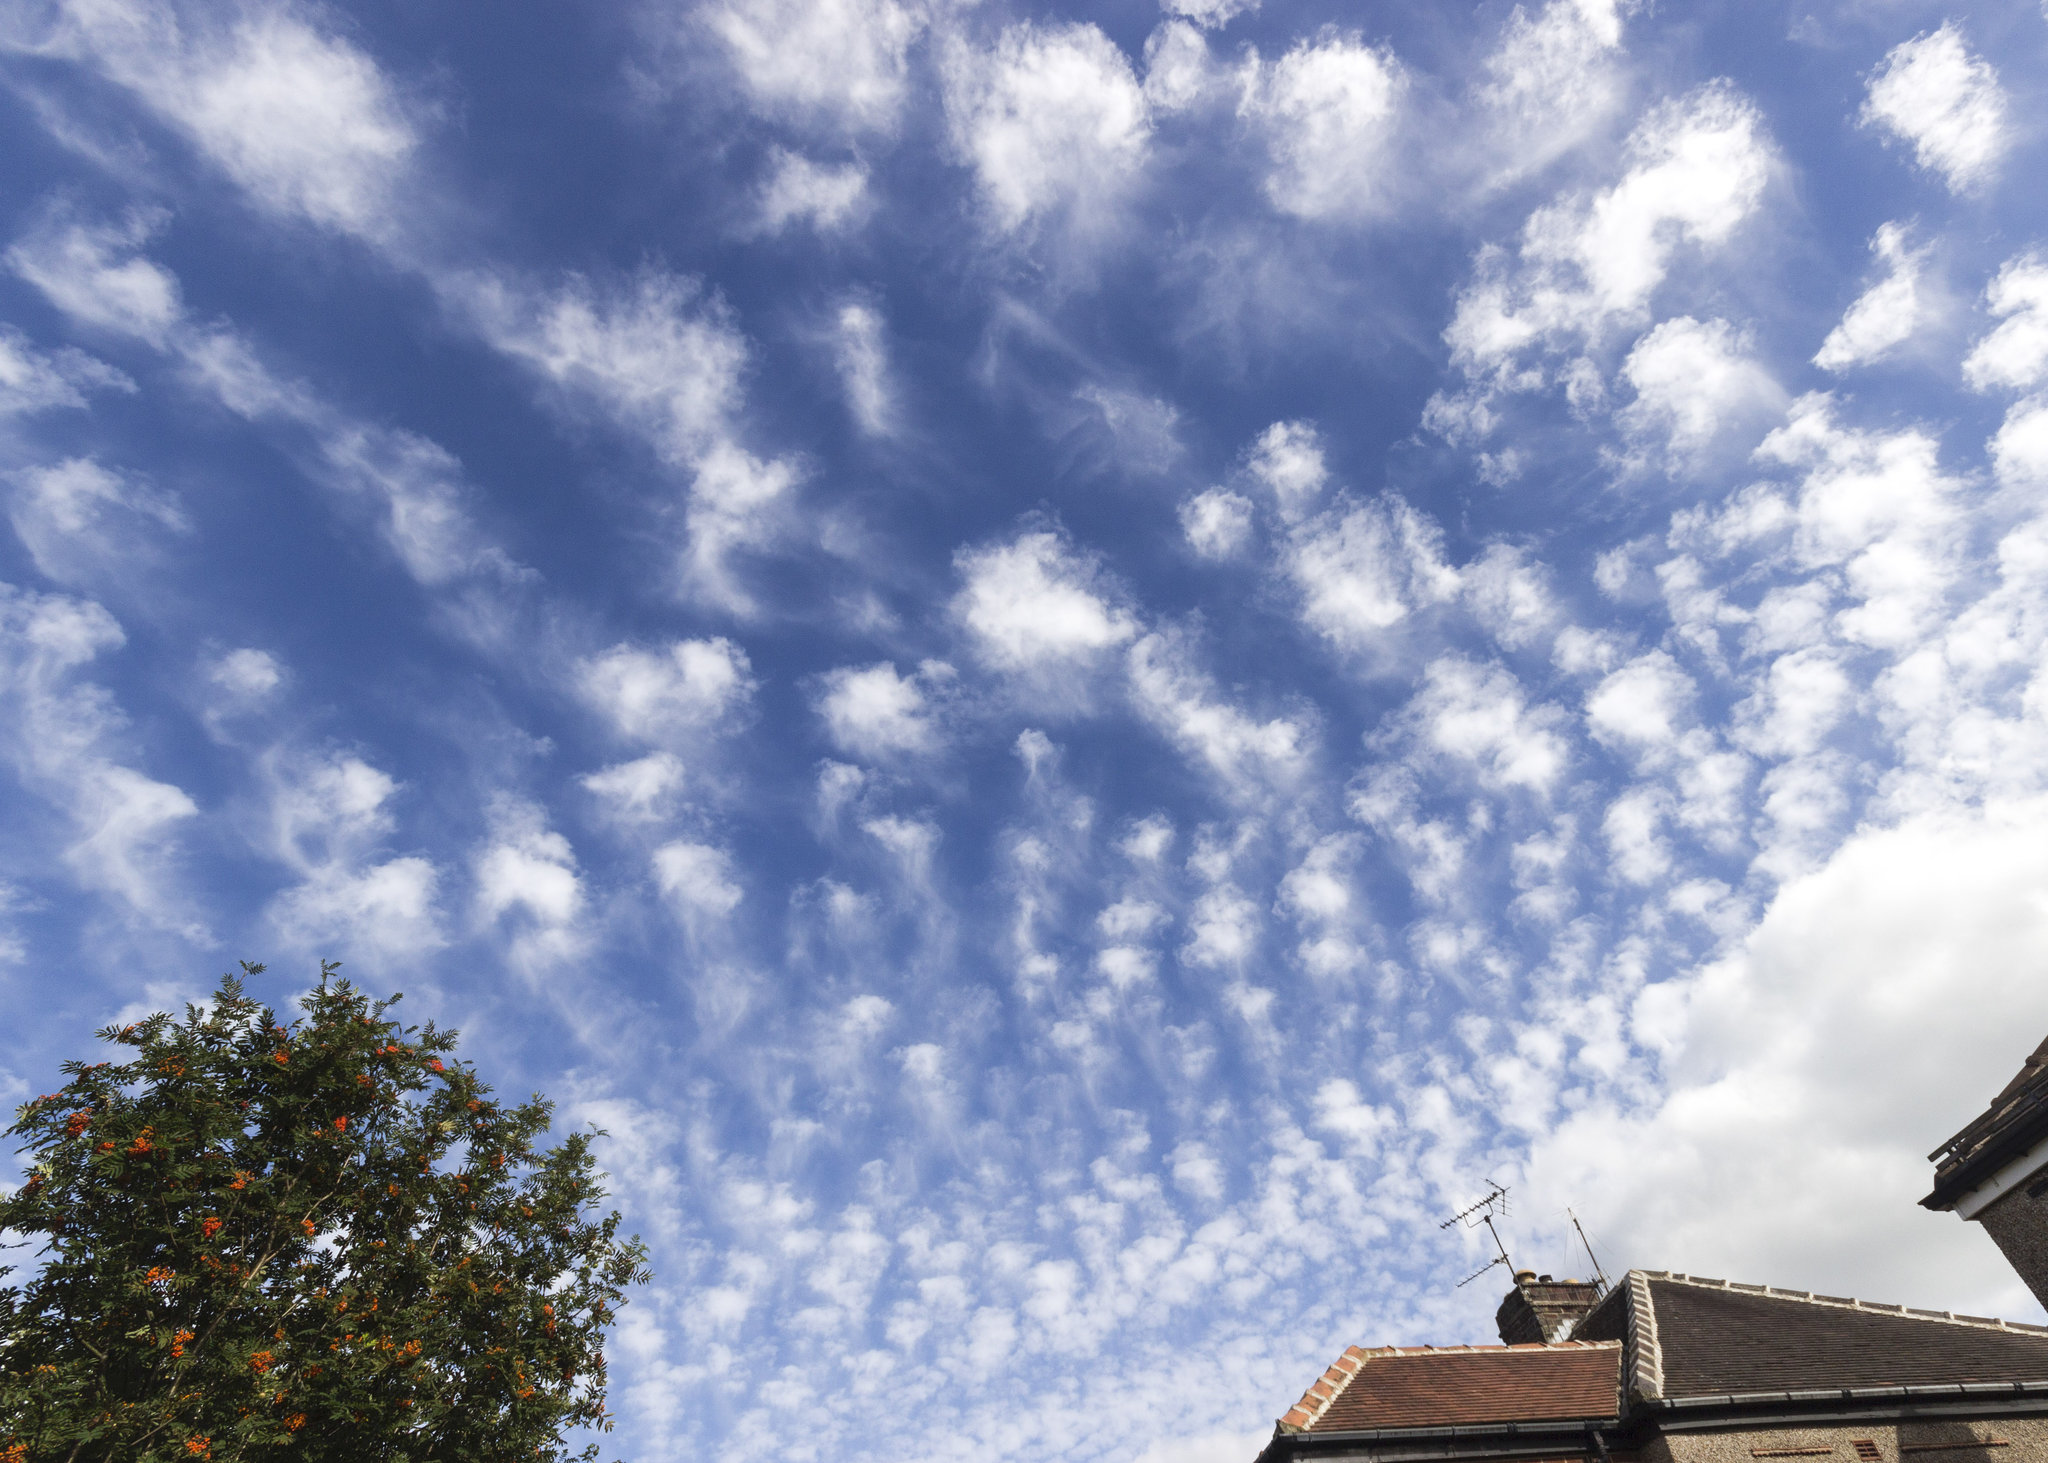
[1424, 1444]
[1976, 1186]
[2019, 1129]
[1817, 1406]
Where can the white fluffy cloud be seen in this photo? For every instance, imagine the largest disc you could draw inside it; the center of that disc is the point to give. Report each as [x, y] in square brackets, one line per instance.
[423, 495]
[664, 362]
[2019, 453]
[1288, 460]
[1552, 78]
[655, 354]
[302, 119]
[1878, 505]
[64, 736]
[1508, 591]
[77, 519]
[1182, 701]
[1914, 949]
[247, 674]
[1362, 569]
[2014, 355]
[660, 695]
[528, 871]
[36, 381]
[93, 273]
[1697, 167]
[697, 878]
[327, 807]
[1936, 95]
[637, 791]
[1480, 716]
[1326, 898]
[1883, 316]
[1803, 696]
[1034, 603]
[799, 190]
[1216, 522]
[863, 361]
[1325, 109]
[1178, 70]
[387, 908]
[1223, 928]
[1693, 381]
[329, 819]
[1051, 120]
[1643, 706]
[841, 62]
[872, 711]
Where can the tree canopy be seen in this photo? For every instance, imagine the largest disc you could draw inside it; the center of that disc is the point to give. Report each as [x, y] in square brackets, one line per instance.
[322, 1239]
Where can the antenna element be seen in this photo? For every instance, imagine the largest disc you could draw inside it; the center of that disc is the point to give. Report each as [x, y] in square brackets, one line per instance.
[1602, 1274]
[1494, 1205]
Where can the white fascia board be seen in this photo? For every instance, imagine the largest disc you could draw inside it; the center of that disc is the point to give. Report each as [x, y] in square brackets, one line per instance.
[2008, 1178]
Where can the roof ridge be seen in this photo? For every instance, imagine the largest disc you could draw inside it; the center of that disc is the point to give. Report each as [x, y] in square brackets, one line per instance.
[1324, 1390]
[1643, 1365]
[1844, 1303]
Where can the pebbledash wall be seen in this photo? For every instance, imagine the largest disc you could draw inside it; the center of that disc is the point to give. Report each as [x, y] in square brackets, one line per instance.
[2013, 1440]
[2018, 1223]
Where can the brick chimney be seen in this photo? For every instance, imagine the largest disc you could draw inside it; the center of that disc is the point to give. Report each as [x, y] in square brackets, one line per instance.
[1540, 1309]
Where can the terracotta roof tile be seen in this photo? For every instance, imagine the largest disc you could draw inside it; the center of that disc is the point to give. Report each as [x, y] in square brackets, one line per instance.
[1398, 1387]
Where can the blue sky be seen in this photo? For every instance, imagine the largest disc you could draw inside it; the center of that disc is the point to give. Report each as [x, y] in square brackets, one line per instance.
[1075, 668]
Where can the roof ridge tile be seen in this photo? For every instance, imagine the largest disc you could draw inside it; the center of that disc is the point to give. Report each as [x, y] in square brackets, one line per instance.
[1325, 1389]
[1643, 1365]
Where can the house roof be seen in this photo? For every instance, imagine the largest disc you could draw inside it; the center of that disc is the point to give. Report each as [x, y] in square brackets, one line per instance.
[1661, 1341]
[1684, 1336]
[1459, 1386]
[2014, 1122]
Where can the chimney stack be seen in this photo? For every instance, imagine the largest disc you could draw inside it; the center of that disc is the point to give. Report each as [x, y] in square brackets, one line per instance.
[1540, 1309]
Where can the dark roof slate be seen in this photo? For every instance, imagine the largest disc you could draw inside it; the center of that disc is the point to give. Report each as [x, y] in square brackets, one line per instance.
[1460, 1386]
[1687, 1336]
[1713, 1341]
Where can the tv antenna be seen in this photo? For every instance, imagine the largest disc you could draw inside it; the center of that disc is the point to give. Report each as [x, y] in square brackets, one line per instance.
[1493, 1206]
[1597, 1271]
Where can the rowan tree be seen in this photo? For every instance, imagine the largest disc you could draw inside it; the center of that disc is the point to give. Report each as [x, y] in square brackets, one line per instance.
[316, 1240]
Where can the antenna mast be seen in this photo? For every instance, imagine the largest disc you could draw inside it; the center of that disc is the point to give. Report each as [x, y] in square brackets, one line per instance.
[1602, 1274]
[1494, 1205]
